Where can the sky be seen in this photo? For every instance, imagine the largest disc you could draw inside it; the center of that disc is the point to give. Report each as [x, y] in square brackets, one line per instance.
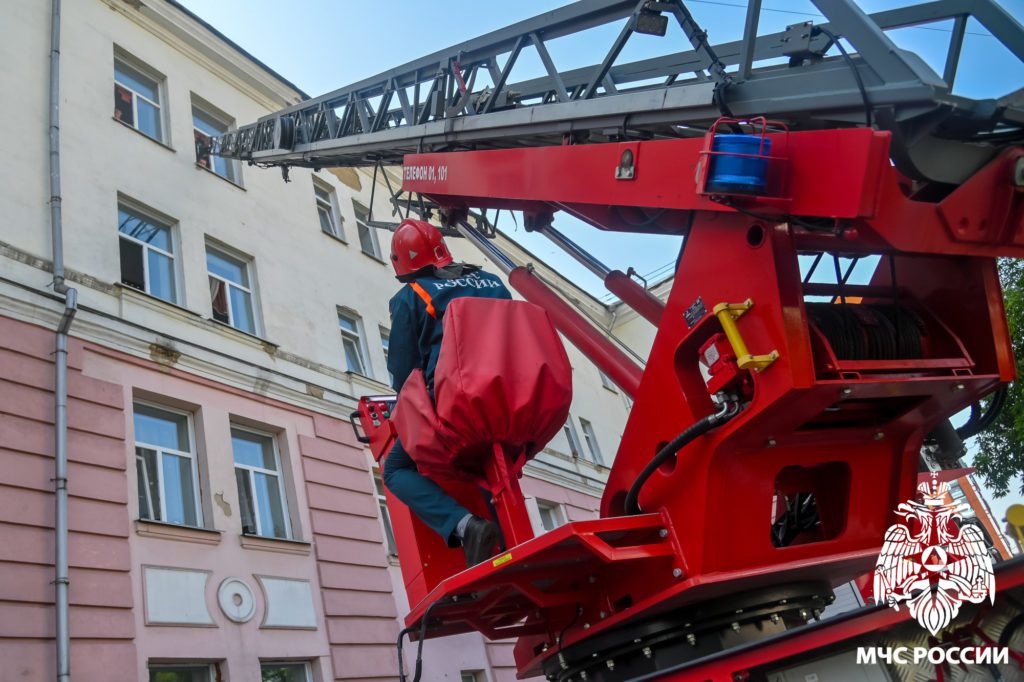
[322, 45]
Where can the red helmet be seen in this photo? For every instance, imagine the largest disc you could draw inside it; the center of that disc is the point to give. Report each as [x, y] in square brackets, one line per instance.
[417, 244]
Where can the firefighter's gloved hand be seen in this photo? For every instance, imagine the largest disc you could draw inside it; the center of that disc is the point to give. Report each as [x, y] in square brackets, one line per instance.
[478, 540]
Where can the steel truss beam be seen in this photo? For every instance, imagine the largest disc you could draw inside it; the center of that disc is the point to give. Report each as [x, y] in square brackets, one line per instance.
[463, 97]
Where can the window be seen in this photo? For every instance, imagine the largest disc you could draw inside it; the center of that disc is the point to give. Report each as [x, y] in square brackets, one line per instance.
[181, 673]
[607, 382]
[551, 515]
[382, 503]
[230, 290]
[147, 254]
[352, 342]
[285, 672]
[327, 209]
[385, 342]
[472, 676]
[165, 464]
[570, 436]
[205, 126]
[367, 234]
[588, 435]
[260, 487]
[137, 98]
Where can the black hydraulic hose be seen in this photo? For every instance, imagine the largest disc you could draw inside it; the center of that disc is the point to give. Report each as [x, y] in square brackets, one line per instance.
[401, 662]
[418, 670]
[976, 424]
[694, 431]
[853, 67]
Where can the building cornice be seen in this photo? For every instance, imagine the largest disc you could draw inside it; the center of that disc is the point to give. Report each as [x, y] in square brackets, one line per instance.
[117, 338]
[183, 31]
[285, 377]
[38, 307]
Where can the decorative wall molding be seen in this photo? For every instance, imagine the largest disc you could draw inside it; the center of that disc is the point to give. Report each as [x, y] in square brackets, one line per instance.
[289, 603]
[236, 600]
[170, 531]
[280, 545]
[175, 596]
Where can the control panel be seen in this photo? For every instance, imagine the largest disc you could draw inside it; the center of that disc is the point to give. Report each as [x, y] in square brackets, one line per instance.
[372, 425]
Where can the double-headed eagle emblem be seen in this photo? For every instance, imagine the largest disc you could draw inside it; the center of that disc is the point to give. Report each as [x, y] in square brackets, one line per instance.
[932, 562]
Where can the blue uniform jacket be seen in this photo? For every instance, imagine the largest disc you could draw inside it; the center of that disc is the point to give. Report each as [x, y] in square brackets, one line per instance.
[415, 340]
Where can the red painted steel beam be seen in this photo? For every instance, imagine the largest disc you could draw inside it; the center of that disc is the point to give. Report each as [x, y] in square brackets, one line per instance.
[646, 304]
[842, 174]
[827, 173]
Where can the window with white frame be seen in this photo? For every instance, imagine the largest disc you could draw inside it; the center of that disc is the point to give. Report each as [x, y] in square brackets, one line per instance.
[367, 234]
[591, 438]
[147, 253]
[261, 495]
[382, 504]
[385, 343]
[206, 125]
[607, 382]
[570, 436]
[231, 289]
[137, 100]
[352, 342]
[285, 671]
[551, 514]
[185, 672]
[327, 209]
[166, 466]
[472, 676]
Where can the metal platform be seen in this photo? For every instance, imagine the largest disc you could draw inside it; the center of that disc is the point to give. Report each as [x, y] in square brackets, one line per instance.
[504, 597]
[553, 572]
[544, 591]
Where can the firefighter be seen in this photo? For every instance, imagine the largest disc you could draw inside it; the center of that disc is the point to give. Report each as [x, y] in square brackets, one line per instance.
[432, 280]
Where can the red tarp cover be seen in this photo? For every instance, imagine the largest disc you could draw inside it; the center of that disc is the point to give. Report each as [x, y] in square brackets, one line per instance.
[502, 377]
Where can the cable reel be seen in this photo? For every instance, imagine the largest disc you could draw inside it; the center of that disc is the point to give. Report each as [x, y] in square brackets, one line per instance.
[870, 331]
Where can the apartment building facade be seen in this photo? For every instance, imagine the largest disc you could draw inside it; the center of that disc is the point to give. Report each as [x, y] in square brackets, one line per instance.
[224, 522]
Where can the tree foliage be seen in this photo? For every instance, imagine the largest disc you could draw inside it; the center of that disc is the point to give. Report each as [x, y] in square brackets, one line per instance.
[1000, 455]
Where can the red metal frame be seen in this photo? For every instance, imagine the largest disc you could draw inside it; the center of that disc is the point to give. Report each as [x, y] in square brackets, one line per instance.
[437, 561]
[847, 430]
[842, 173]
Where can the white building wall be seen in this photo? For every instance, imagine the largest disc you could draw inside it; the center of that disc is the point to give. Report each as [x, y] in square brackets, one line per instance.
[302, 276]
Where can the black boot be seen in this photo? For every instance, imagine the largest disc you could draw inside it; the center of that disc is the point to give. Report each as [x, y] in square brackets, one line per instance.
[478, 540]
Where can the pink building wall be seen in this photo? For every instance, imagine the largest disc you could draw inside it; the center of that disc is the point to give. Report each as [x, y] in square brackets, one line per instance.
[340, 551]
[339, 546]
[101, 620]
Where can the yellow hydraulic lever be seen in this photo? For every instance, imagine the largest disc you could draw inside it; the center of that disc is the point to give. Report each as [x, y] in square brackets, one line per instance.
[727, 314]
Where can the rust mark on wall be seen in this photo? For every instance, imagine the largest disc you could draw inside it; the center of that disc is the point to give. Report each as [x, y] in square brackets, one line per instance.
[163, 354]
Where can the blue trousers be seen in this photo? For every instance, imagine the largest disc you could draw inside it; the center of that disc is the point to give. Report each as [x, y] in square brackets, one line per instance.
[425, 498]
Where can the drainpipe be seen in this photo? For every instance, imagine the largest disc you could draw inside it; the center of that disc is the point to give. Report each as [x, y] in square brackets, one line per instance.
[60, 421]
